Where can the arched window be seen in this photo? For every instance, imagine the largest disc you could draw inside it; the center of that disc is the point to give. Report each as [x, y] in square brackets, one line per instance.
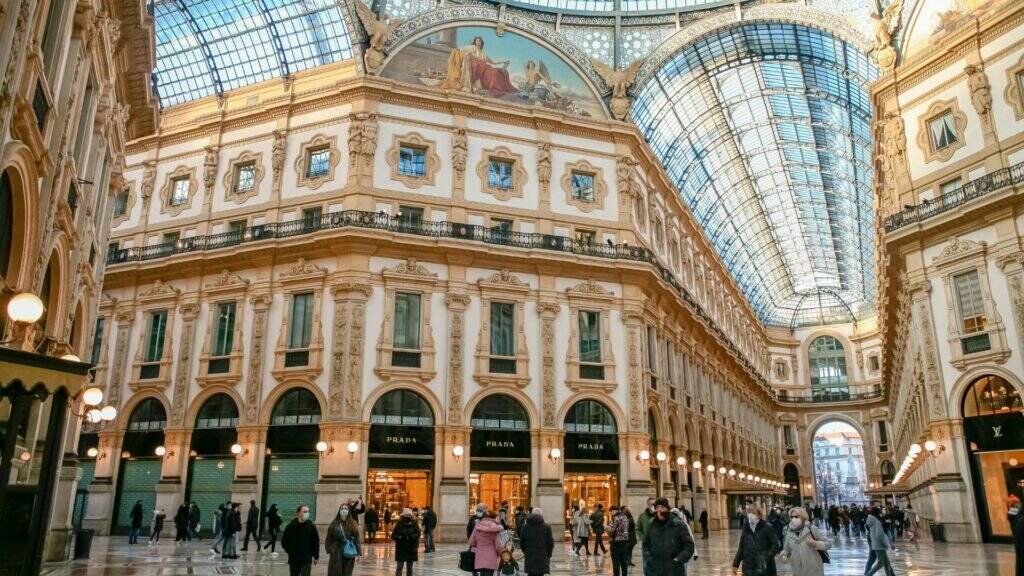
[991, 395]
[6, 224]
[590, 416]
[402, 408]
[149, 415]
[297, 406]
[827, 360]
[652, 427]
[499, 412]
[219, 411]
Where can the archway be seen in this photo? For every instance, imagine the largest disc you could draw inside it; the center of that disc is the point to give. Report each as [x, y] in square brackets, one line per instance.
[291, 467]
[140, 464]
[591, 455]
[791, 476]
[211, 466]
[839, 469]
[499, 463]
[992, 411]
[401, 454]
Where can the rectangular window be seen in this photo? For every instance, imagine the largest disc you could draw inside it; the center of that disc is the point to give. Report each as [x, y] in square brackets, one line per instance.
[582, 186]
[170, 237]
[787, 437]
[970, 302]
[407, 321]
[312, 216]
[121, 203]
[652, 349]
[949, 187]
[499, 173]
[873, 363]
[586, 236]
[943, 130]
[224, 332]
[669, 359]
[245, 177]
[501, 226]
[318, 162]
[155, 342]
[883, 435]
[179, 191]
[502, 329]
[301, 321]
[236, 226]
[410, 216]
[97, 340]
[412, 160]
[112, 248]
[590, 336]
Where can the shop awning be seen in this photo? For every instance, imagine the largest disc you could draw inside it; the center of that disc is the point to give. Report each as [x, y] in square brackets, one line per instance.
[38, 372]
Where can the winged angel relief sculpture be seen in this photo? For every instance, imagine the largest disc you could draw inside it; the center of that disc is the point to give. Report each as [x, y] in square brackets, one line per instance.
[619, 81]
[885, 27]
[378, 28]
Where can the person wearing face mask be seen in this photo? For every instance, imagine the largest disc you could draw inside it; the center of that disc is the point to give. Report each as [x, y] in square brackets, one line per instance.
[342, 543]
[301, 541]
[758, 546]
[667, 543]
[481, 509]
[804, 545]
[644, 520]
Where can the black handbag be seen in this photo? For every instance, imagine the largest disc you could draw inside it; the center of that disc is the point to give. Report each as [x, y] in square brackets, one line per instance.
[467, 561]
[824, 557]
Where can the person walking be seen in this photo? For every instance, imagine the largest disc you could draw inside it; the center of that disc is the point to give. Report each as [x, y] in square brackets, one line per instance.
[429, 524]
[597, 525]
[194, 516]
[618, 540]
[581, 530]
[232, 526]
[632, 534]
[804, 544]
[478, 514]
[274, 522]
[537, 544]
[406, 536]
[158, 525]
[371, 523]
[757, 546]
[703, 524]
[342, 543]
[301, 541]
[136, 522]
[519, 518]
[644, 520]
[486, 542]
[667, 544]
[218, 527]
[181, 523]
[878, 540]
[252, 526]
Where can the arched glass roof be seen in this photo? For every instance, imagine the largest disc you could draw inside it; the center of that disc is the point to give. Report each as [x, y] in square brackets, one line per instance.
[765, 128]
[625, 6]
[206, 47]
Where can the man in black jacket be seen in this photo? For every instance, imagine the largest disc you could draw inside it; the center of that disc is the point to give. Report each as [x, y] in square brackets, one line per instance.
[481, 509]
[537, 544]
[232, 526]
[667, 545]
[252, 525]
[429, 523]
[301, 541]
[758, 546]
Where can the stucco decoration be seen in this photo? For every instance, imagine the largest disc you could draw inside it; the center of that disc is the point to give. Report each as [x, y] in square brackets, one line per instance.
[210, 169]
[231, 191]
[346, 382]
[189, 312]
[167, 190]
[544, 167]
[619, 82]
[457, 304]
[548, 312]
[362, 142]
[318, 142]
[892, 160]
[129, 191]
[1014, 91]
[981, 93]
[599, 192]
[378, 28]
[277, 157]
[519, 174]
[933, 381]
[885, 26]
[432, 162]
[261, 307]
[924, 136]
[460, 150]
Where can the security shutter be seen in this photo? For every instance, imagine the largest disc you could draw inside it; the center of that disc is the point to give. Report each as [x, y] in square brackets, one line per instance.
[291, 483]
[138, 483]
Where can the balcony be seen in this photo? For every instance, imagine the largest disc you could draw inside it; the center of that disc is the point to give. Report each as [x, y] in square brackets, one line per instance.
[435, 229]
[834, 394]
[976, 188]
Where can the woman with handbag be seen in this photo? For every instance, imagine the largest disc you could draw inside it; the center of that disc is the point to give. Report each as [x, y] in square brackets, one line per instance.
[342, 543]
[805, 546]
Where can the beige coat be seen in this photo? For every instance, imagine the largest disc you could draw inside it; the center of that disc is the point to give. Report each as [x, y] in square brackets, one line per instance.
[805, 560]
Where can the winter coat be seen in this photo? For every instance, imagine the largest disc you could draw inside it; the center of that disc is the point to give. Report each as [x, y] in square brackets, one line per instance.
[194, 515]
[803, 559]
[486, 540]
[597, 521]
[618, 528]
[877, 538]
[429, 520]
[580, 525]
[703, 517]
[252, 519]
[158, 521]
[274, 520]
[642, 522]
[406, 536]
[301, 541]
[232, 523]
[632, 529]
[537, 543]
[334, 545]
[218, 520]
[756, 549]
[181, 518]
[371, 521]
[667, 547]
[136, 515]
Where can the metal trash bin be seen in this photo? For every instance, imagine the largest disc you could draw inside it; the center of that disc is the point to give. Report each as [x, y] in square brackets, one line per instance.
[83, 543]
[938, 533]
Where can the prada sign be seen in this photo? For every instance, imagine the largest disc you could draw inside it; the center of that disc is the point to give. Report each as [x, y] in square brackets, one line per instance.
[402, 440]
[996, 432]
[500, 444]
[591, 446]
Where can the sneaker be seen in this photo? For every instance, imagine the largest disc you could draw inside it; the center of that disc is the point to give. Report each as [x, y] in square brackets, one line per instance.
[214, 551]
[273, 554]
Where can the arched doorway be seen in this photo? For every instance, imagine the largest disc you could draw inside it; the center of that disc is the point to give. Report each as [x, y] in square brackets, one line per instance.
[826, 359]
[211, 466]
[994, 435]
[499, 464]
[591, 455]
[291, 468]
[401, 454]
[791, 476]
[140, 466]
[839, 471]
[888, 471]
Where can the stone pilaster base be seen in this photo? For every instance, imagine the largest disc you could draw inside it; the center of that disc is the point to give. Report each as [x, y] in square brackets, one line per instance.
[551, 499]
[100, 511]
[330, 493]
[452, 510]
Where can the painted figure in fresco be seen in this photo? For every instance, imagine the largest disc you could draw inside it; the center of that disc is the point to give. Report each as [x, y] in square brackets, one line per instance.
[538, 78]
[470, 69]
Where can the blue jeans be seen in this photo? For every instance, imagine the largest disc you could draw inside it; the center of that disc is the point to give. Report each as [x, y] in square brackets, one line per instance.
[878, 559]
[133, 536]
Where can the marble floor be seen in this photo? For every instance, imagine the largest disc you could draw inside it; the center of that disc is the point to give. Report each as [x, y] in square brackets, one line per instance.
[114, 556]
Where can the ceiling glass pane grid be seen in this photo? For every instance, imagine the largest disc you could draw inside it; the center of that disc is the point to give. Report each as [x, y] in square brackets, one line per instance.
[208, 46]
[774, 160]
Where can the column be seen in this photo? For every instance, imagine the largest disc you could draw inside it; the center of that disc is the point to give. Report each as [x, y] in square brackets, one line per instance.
[341, 469]
[248, 482]
[100, 509]
[549, 489]
[452, 502]
[170, 489]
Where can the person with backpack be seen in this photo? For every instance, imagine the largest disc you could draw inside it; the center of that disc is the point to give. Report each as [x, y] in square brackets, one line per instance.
[342, 543]
[406, 536]
[805, 545]
[429, 524]
[619, 540]
[597, 526]
[301, 541]
[486, 542]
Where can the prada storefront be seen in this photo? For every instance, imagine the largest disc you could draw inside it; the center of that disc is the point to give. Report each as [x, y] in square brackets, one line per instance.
[499, 463]
[591, 456]
[995, 442]
[400, 473]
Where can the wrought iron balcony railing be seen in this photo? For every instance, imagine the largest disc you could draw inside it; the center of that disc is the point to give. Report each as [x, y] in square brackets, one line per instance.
[442, 229]
[835, 394]
[976, 188]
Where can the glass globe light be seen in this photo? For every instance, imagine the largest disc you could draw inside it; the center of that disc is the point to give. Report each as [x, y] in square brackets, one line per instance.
[556, 453]
[711, 468]
[721, 469]
[915, 448]
[71, 358]
[696, 464]
[352, 447]
[108, 413]
[458, 451]
[92, 452]
[25, 308]
[236, 449]
[930, 445]
[660, 456]
[92, 396]
[732, 472]
[680, 461]
[94, 416]
[321, 446]
[160, 451]
[645, 455]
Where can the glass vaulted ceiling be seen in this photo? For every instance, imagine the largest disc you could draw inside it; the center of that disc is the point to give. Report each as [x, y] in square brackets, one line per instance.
[206, 47]
[766, 131]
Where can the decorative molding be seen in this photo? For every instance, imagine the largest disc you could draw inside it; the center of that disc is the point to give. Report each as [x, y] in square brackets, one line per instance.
[548, 314]
[318, 142]
[503, 286]
[981, 92]
[460, 151]
[362, 142]
[278, 154]
[345, 388]
[958, 248]
[253, 388]
[411, 267]
[225, 287]
[544, 167]
[184, 369]
[210, 169]
[432, 160]
[600, 188]
[167, 190]
[924, 140]
[160, 289]
[1014, 92]
[227, 279]
[230, 176]
[591, 297]
[518, 173]
[302, 269]
[128, 190]
[413, 278]
[457, 304]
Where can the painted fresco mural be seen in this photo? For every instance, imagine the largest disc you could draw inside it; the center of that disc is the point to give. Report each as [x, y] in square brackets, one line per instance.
[936, 18]
[509, 67]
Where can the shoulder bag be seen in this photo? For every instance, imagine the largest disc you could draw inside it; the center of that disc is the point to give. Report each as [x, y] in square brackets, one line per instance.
[467, 560]
[825, 559]
[349, 550]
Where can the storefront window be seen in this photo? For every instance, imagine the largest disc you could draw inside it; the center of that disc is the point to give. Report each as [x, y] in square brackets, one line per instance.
[591, 456]
[500, 454]
[401, 455]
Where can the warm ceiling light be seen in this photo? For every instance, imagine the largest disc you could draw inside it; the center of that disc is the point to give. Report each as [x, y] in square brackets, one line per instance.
[108, 413]
[25, 308]
[160, 451]
[660, 456]
[321, 446]
[92, 396]
[236, 449]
